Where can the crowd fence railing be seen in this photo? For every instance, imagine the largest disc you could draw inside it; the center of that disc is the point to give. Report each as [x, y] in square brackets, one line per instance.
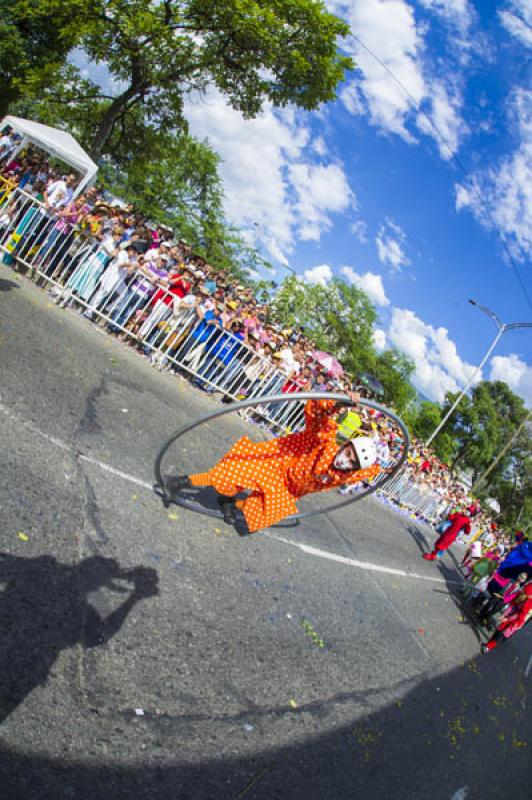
[79, 271]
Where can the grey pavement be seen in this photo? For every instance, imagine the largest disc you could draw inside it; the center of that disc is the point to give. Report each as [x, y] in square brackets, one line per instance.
[156, 653]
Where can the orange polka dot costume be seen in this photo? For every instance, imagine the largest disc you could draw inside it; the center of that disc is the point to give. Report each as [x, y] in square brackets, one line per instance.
[282, 470]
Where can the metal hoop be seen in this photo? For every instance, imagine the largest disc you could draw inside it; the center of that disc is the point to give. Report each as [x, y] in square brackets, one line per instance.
[290, 398]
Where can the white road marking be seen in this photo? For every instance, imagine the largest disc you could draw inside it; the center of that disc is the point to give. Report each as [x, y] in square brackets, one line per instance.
[64, 446]
[305, 548]
[353, 562]
[118, 472]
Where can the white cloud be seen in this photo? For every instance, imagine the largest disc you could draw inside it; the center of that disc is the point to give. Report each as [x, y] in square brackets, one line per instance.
[445, 119]
[390, 241]
[359, 229]
[506, 187]
[388, 28]
[379, 339]
[439, 368]
[394, 88]
[272, 184]
[517, 19]
[457, 12]
[370, 283]
[319, 146]
[515, 372]
[352, 97]
[321, 189]
[320, 275]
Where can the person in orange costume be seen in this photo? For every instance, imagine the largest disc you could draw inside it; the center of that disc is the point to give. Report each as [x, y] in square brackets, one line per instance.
[280, 471]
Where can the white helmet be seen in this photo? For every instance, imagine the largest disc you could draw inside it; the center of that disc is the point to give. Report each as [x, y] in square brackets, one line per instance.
[365, 450]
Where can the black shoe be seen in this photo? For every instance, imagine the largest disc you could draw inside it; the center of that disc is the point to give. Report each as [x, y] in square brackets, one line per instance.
[228, 507]
[174, 485]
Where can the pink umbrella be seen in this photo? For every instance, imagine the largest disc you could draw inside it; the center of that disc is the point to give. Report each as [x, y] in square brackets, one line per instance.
[328, 362]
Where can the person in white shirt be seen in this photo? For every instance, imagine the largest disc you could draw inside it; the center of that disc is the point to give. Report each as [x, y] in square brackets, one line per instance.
[113, 279]
[58, 193]
[288, 362]
[6, 145]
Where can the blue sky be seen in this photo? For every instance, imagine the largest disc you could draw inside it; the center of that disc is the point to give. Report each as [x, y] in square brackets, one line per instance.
[367, 187]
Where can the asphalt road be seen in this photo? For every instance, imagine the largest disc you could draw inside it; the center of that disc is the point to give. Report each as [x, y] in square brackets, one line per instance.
[152, 653]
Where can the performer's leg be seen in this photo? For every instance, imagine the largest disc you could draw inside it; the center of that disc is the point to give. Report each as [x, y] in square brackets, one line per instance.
[492, 643]
[174, 484]
[226, 492]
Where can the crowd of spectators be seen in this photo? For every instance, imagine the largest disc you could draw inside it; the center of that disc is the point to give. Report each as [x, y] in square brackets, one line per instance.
[150, 290]
[140, 280]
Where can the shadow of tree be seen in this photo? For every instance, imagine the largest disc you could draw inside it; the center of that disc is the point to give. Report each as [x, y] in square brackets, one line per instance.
[466, 728]
[44, 609]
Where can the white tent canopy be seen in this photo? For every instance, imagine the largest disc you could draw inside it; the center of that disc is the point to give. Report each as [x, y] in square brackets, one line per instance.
[56, 142]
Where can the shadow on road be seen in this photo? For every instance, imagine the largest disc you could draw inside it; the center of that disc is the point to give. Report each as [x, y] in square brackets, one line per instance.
[446, 733]
[419, 538]
[7, 286]
[204, 500]
[44, 609]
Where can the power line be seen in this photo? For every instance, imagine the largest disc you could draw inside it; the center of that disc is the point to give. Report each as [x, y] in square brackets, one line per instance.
[457, 161]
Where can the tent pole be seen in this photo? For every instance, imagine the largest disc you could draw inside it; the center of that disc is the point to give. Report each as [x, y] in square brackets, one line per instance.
[20, 147]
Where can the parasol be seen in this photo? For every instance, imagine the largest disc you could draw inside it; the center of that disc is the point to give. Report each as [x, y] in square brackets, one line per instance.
[329, 363]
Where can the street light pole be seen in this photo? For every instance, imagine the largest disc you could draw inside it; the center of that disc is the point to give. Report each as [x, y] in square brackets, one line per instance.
[502, 327]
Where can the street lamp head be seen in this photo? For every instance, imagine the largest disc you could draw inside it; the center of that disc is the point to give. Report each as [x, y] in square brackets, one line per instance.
[473, 302]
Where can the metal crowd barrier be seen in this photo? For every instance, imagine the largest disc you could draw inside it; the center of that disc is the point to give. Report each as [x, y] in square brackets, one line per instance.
[74, 267]
[406, 491]
[78, 271]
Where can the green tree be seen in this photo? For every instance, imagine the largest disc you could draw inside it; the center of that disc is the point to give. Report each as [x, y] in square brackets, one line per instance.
[35, 38]
[252, 51]
[511, 484]
[422, 419]
[338, 317]
[482, 424]
[174, 179]
[394, 369]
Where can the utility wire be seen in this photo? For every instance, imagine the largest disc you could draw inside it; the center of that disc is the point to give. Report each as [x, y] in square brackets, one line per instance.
[457, 162]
